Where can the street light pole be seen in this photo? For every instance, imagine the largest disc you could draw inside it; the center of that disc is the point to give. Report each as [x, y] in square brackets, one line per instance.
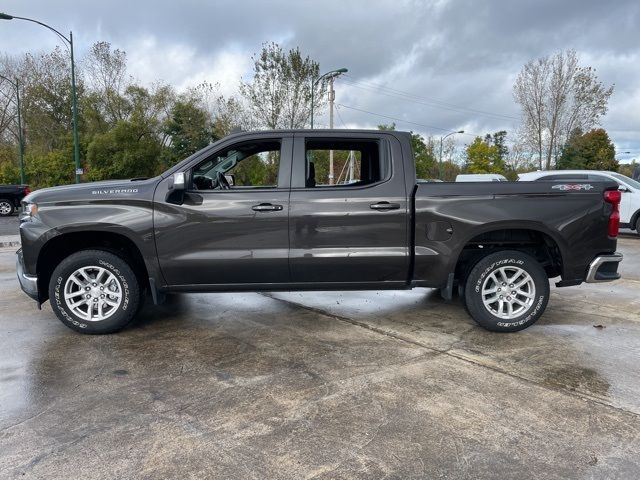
[74, 97]
[76, 141]
[332, 96]
[440, 173]
[16, 85]
[332, 74]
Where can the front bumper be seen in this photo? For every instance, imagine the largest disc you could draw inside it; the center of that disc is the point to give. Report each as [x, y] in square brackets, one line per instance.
[28, 283]
[604, 268]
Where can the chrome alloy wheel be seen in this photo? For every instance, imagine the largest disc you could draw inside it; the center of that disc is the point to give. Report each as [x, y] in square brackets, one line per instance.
[93, 293]
[508, 292]
[5, 207]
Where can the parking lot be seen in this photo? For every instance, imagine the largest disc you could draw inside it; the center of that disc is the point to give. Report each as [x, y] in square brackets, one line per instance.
[325, 385]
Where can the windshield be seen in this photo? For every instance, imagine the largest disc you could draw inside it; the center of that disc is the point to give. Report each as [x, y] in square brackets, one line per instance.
[627, 180]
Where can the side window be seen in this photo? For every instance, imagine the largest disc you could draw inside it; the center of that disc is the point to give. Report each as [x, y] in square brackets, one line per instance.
[355, 163]
[244, 165]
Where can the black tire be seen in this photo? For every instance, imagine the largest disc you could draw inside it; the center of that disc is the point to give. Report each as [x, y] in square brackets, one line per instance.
[125, 283]
[486, 272]
[638, 225]
[6, 207]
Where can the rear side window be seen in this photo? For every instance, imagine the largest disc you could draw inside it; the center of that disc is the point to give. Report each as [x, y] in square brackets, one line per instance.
[355, 163]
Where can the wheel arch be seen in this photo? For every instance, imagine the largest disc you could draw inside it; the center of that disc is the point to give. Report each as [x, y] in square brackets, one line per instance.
[61, 246]
[533, 240]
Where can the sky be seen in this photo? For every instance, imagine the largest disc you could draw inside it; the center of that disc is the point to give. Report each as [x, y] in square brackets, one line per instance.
[431, 66]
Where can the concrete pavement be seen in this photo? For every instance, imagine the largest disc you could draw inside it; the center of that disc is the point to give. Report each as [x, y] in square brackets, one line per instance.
[325, 385]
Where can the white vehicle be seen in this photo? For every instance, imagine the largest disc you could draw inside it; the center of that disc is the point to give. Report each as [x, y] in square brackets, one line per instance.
[630, 204]
[481, 177]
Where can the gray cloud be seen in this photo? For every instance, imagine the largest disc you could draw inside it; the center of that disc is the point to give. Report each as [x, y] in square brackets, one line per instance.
[461, 52]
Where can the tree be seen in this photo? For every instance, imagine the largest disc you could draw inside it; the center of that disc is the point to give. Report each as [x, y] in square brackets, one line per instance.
[279, 95]
[499, 139]
[127, 150]
[557, 96]
[189, 128]
[589, 151]
[51, 168]
[424, 151]
[483, 157]
[106, 71]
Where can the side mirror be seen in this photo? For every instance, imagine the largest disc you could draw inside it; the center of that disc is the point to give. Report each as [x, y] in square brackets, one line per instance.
[175, 189]
[177, 183]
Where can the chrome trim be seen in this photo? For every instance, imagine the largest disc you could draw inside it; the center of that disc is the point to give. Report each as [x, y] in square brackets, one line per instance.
[28, 283]
[598, 262]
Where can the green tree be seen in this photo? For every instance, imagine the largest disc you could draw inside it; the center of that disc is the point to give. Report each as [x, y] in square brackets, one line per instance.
[50, 168]
[628, 169]
[125, 151]
[189, 129]
[483, 158]
[9, 171]
[589, 151]
[499, 139]
[424, 151]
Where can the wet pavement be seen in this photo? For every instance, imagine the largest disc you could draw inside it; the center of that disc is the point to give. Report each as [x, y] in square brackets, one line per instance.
[325, 385]
[9, 225]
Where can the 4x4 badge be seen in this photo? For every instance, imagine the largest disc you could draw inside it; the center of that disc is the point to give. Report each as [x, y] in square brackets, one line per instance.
[573, 186]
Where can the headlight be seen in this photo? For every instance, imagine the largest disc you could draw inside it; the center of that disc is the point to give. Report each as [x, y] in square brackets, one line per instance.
[29, 210]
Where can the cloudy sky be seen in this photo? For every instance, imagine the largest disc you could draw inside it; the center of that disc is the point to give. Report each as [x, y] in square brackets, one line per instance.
[431, 66]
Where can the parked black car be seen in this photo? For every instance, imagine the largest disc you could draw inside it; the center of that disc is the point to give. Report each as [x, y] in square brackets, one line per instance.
[253, 212]
[10, 198]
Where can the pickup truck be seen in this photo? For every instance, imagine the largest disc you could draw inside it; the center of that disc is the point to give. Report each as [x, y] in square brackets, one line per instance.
[10, 198]
[264, 211]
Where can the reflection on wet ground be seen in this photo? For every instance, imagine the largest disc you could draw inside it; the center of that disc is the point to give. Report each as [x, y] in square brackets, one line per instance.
[324, 385]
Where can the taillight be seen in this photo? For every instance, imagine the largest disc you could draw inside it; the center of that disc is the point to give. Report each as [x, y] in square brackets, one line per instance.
[27, 191]
[613, 197]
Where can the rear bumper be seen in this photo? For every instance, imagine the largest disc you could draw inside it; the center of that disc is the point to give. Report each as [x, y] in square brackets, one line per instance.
[28, 283]
[604, 268]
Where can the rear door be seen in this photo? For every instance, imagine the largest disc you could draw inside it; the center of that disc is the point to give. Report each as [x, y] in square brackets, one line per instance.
[235, 235]
[352, 228]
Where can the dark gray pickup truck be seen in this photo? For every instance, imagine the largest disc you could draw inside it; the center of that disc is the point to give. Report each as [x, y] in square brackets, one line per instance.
[312, 210]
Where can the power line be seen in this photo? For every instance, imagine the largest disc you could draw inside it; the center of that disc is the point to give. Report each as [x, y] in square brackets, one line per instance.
[402, 120]
[340, 117]
[423, 100]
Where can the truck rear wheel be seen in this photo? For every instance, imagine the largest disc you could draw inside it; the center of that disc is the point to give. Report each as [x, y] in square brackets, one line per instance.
[94, 292]
[507, 291]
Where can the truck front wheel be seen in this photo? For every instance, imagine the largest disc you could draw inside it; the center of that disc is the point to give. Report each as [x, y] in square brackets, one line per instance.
[507, 291]
[94, 292]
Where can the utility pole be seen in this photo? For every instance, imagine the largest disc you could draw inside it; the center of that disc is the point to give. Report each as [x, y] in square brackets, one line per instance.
[332, 97]
[352, 173]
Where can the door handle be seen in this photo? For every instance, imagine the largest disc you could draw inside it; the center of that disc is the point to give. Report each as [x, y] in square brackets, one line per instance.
[384, 206]
[266, 207]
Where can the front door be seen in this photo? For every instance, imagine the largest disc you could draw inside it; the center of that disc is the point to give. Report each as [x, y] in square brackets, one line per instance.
[232, 227]
[348, 211]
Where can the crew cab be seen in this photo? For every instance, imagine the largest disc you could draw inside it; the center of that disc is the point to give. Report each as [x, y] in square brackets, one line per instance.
[10, 198]
[312, 210]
